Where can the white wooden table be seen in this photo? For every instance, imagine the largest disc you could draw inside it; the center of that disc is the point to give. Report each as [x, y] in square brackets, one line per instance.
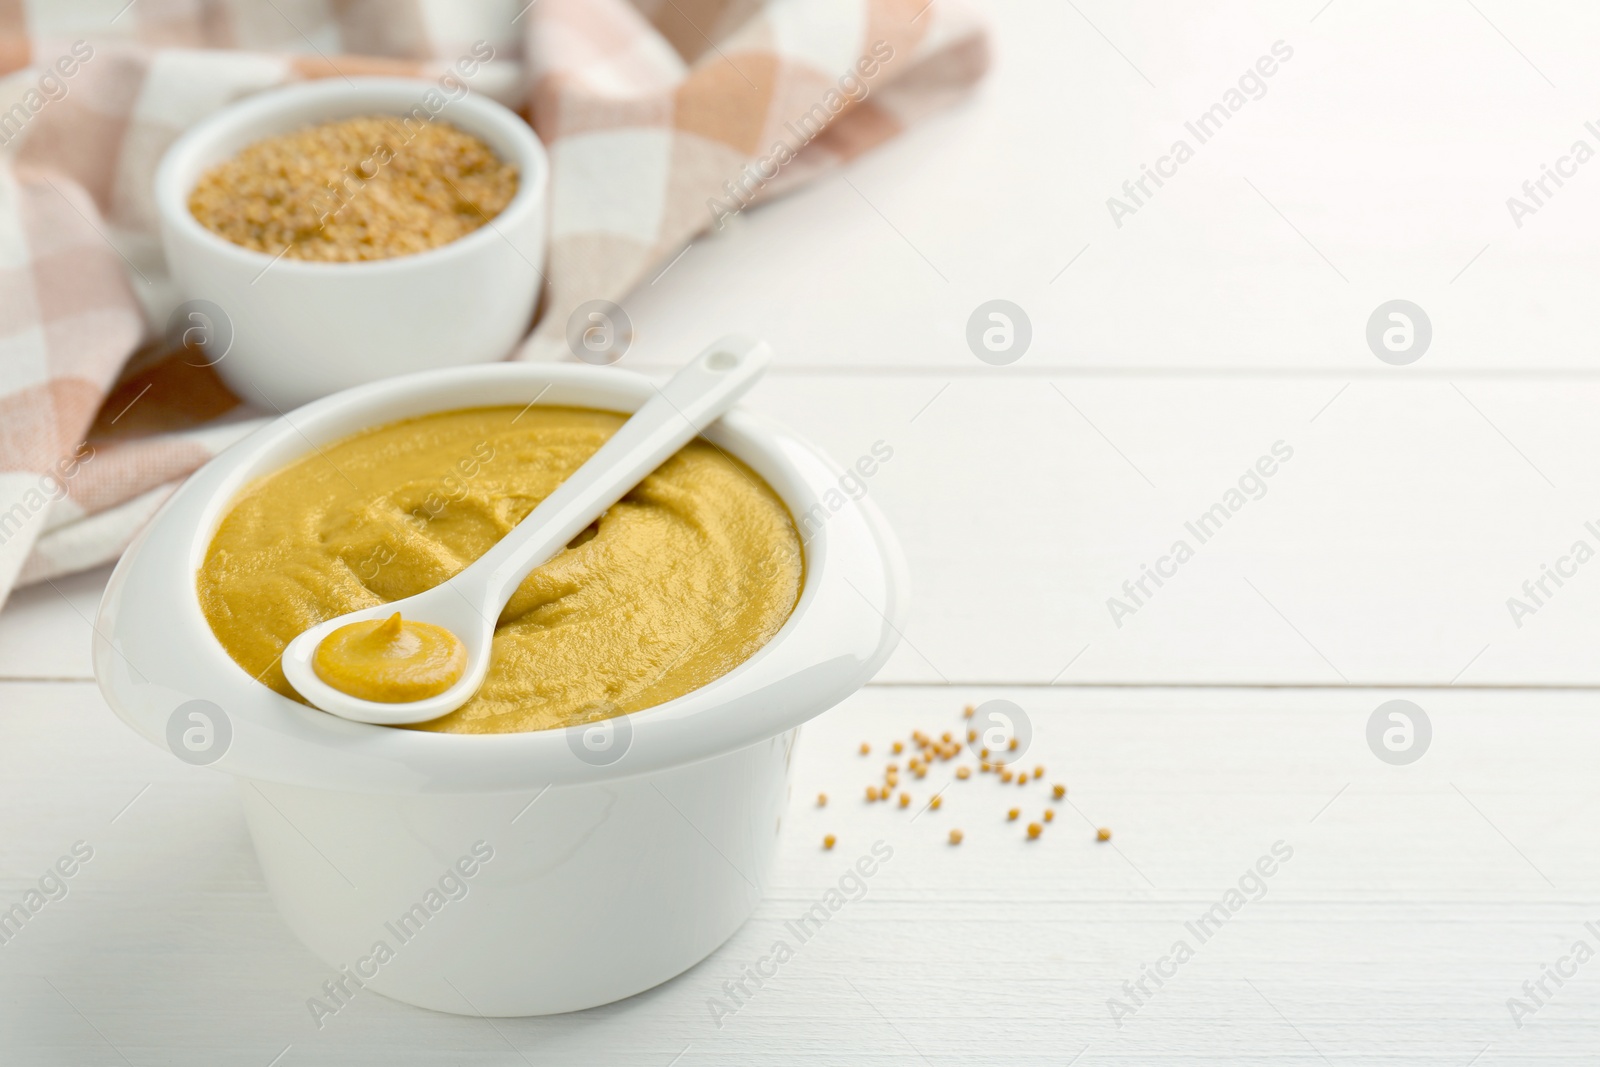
[1227, 714]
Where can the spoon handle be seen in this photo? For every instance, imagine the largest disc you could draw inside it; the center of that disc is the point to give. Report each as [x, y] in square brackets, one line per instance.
[690, 401]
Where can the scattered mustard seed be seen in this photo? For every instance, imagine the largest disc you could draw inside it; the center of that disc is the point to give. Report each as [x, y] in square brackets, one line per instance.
[872, 793]
[897, 748]
[1038, 772]
[1011, 816]
[905, 800]
[1103, 834]
[1034, 830]
[935, 802]
[865, 748]
[963, 772]
[966, 712]
[828, 841]
[1058, 791]
[955, 837]
[1049, 816]
[822, 800]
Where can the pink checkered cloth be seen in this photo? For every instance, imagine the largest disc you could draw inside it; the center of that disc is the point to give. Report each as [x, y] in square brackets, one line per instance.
[658, 114]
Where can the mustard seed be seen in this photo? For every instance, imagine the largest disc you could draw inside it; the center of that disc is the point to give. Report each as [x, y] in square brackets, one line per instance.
[363, 188]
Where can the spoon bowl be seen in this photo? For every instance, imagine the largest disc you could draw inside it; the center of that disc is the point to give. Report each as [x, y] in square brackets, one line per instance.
[469, 603]
[443, 605]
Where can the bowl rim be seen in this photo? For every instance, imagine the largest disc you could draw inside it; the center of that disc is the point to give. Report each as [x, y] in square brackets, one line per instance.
[847, 620]
[178, 171]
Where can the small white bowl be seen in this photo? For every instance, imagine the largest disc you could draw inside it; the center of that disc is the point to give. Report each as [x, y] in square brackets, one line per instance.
[623, 853]
[301, 329]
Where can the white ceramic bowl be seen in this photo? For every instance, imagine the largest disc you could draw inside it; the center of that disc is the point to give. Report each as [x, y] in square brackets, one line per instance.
[301, 329]
[622, 854]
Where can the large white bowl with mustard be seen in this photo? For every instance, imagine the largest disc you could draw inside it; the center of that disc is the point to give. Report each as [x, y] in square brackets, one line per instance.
[511, 873]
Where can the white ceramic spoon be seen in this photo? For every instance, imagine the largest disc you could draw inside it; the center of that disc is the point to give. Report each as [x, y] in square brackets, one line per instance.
[469, 604]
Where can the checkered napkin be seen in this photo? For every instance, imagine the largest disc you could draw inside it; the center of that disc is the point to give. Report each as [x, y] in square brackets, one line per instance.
[662, 118]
